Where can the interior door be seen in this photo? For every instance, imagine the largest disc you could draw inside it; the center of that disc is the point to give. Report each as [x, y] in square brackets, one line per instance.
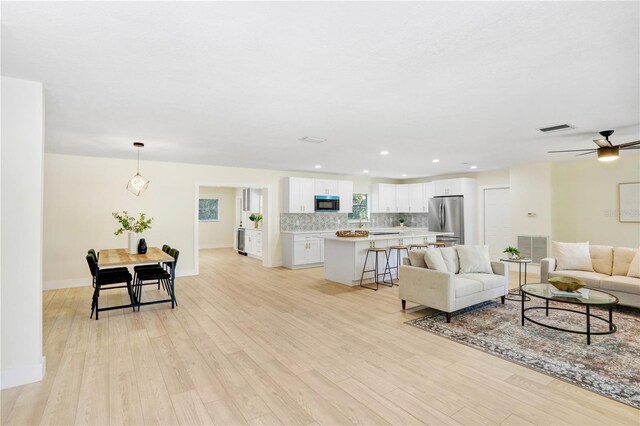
[497, 221]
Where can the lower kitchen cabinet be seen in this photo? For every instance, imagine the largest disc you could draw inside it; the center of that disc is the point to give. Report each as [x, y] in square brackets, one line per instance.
[302, 250]
[253, 242]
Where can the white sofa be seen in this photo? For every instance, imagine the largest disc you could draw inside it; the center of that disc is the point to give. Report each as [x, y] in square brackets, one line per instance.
[610, 268]
[449, 291]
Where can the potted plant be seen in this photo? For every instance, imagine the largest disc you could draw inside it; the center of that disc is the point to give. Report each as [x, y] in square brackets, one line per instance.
[134, 226]
[402, 220]
[255, 218]
[513, 252]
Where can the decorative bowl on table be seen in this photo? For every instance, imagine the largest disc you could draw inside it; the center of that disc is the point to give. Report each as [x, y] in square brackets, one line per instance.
[570, 284]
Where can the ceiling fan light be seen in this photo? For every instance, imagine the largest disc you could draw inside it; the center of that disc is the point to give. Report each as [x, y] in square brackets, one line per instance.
[608, 153]
[138, 184]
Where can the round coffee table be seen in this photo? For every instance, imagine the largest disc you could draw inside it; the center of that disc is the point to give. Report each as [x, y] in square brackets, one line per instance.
[588, 298]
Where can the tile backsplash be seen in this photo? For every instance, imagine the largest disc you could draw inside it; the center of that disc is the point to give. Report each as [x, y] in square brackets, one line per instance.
[333, 221]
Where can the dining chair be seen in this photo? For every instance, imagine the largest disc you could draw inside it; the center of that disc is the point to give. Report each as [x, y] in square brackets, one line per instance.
[93, 253]
[159, 275]
[165, 248]
[106, 279]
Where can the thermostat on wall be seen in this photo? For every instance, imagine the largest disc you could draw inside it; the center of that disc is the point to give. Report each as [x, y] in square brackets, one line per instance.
[531, 215]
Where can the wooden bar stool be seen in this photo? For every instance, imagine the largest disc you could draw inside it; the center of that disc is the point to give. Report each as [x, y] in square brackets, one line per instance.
[398, 250]
[376, 269]
[437, 244]
[418, 246]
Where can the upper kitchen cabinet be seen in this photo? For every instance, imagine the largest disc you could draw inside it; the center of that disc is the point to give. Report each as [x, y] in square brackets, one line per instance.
[402, 198]
[298, 195]
[383, 198]
[251, 200]
[427, 191]
[345, 192]
[460, 186]
[416, 201]
[326, 187]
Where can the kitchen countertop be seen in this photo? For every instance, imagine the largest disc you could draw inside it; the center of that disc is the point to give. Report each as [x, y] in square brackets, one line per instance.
[333, 231]
[401, 234]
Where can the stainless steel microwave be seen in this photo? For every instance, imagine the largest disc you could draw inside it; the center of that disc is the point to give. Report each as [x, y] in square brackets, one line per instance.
[327, 203]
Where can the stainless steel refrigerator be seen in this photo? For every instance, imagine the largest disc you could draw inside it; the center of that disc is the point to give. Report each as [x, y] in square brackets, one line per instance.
[446, 215]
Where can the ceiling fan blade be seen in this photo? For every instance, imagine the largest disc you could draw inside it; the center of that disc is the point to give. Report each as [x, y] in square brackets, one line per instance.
[630, 147]
[585, 153]
[601, 143]
[572, 150]
[622, 145]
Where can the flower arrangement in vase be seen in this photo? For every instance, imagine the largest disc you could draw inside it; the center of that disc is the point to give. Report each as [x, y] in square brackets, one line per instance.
[134, 226]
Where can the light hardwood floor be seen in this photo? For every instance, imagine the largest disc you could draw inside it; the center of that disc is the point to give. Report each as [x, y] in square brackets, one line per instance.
[250, 345]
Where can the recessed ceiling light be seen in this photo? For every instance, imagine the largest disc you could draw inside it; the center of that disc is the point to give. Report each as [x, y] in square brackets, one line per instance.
[365, 171]
[473, 167]
[404, 175]
[318, 166]
[384, 152]
[435, 160]
[312, 139]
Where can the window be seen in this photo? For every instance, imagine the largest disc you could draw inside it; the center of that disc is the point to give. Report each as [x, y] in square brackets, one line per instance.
[360, 210]
[208, 210]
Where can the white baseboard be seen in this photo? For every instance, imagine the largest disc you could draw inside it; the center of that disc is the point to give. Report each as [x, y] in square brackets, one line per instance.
[23, 375]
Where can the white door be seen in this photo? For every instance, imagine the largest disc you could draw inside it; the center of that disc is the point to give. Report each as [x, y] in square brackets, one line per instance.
[497, 221]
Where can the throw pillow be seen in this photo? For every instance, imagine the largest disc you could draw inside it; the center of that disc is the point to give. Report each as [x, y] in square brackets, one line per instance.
[572, 256]
[622, 257]
[450, 256]
[434, 259]
[474, 259]
[416, 258]
[634, 267]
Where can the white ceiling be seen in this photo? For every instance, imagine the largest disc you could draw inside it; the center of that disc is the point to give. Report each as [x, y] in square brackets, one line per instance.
[237, 84]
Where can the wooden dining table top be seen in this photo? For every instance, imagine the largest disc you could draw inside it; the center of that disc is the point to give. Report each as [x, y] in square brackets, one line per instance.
[121, 257]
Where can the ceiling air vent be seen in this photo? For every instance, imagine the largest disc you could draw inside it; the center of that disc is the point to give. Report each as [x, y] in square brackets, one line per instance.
[312, 139]
[556, 128]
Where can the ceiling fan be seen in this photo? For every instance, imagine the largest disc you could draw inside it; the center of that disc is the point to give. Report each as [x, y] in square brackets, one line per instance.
[606, 150]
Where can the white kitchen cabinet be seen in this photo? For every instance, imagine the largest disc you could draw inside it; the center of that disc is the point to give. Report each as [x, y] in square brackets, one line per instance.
[416, 198]
[383, 198]
[402, 198]
[302, 250]
[326, 187]
[298, 195]
[251, 200]
[448, 187]
[253, 242]
[427, 190]
[345, 192]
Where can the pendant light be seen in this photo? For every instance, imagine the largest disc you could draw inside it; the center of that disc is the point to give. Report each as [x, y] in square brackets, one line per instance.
[138, 184]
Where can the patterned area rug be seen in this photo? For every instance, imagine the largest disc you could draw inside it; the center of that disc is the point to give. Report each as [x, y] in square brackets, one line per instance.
[609, 366]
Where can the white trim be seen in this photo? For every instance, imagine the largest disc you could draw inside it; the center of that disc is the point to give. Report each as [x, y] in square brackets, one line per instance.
[23, 375]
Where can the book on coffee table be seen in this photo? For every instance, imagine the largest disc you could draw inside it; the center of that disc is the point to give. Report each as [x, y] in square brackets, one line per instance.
[583, 292]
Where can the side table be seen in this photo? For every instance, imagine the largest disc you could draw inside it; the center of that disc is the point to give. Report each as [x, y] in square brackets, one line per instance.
[516, 295]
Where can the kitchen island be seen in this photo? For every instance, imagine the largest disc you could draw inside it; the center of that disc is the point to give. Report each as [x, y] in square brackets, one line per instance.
[344, 257]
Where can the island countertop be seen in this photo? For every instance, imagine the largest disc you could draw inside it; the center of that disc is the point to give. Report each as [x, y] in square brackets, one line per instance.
[393, 235]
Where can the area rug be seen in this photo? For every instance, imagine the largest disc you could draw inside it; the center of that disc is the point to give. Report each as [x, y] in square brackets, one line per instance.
[609, 366]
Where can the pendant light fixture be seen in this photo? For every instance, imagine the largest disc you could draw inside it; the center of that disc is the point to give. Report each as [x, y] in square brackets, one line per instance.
[138, 184]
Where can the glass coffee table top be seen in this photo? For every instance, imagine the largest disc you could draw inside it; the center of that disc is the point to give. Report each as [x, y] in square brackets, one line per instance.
[588, 296]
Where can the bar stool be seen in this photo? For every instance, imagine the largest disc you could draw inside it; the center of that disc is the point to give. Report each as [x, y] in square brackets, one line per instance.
[376, 252]
[418, 246]
[437, 244]
[398, 249]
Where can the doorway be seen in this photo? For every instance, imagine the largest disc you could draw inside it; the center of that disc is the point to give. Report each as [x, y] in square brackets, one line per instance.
[497, 220]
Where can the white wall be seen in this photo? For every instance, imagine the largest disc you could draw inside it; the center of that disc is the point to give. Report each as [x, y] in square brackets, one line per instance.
[21, 248]
[219, 234]
[585, 200]
[530, 193]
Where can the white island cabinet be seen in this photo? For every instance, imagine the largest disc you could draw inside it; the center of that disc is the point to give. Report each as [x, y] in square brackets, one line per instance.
[344, 257]
[302, 249]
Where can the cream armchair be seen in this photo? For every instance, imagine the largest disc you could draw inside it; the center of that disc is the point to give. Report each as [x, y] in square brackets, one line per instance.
[450, 292]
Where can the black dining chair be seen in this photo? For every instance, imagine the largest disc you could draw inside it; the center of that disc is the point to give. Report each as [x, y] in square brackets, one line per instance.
[165, 248]
[159, 275]
[106, 279]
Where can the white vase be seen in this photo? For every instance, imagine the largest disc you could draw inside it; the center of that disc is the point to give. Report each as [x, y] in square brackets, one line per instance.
[133, 242]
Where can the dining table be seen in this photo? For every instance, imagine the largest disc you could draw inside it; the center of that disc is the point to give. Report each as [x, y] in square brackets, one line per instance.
[110, 258]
